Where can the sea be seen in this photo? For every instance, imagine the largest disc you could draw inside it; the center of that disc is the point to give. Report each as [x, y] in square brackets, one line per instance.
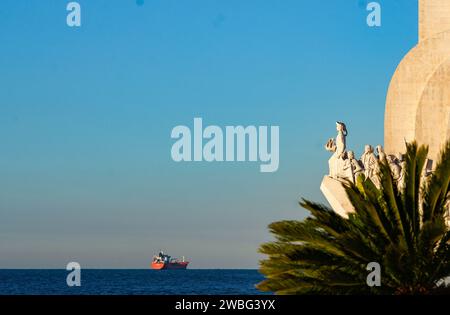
[131, 282]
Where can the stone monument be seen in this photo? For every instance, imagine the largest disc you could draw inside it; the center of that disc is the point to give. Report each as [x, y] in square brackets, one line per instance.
[338, 170]
[418, 100]
[417, 108]
[344, 167]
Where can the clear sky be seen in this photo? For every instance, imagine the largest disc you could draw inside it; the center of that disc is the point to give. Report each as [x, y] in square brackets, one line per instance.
[86, 115]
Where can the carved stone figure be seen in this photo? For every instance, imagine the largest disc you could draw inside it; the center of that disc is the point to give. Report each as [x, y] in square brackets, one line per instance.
[381, 154]
[428, 168]
[338, 146]
[352, 167]
[395, 167]
[370, 163]
[401, 180]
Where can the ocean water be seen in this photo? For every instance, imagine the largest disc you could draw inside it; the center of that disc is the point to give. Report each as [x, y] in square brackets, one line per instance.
[130, 282]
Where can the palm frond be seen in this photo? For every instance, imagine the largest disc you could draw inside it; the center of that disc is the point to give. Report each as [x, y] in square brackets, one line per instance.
[403, 230]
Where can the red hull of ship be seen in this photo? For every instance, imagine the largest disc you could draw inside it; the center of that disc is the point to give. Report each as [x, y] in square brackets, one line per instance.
[161, 265]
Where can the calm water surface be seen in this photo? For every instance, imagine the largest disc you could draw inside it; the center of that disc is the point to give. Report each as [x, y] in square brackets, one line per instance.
[140, 282]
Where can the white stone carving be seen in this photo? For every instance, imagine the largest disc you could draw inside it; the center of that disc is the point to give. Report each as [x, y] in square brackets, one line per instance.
[338, 146]
[352, 167]
[370, 162]
[381, 154]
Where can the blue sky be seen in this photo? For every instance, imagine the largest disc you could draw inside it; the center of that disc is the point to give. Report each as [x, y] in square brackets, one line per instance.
[86, 115]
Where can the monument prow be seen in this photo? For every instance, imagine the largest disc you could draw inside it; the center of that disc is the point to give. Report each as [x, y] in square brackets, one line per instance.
[334, 192]
[344, 167]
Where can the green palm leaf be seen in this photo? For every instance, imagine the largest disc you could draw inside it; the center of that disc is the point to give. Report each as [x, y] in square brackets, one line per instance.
[405, 231]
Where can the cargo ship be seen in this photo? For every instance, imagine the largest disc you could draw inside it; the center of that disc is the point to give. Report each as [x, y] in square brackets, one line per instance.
[163, 261]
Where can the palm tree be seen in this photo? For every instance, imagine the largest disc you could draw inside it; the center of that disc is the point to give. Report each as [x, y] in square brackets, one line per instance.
[403, 229]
